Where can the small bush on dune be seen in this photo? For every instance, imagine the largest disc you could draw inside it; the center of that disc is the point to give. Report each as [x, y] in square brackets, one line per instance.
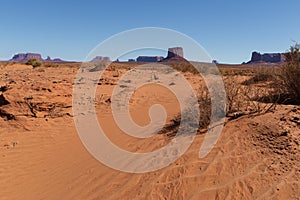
[34, 62]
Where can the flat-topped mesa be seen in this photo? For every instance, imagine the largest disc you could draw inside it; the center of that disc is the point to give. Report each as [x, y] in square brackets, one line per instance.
[175, 52]
[267, 57]
[24, 57]
[149, 58]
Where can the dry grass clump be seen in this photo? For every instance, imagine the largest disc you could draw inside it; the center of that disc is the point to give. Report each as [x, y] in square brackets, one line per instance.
[262, 75]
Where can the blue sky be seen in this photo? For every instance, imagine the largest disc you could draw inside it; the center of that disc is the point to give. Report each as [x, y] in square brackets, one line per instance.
[228, 30]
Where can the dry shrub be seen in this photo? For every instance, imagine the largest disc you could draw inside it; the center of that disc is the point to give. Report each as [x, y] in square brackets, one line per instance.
[33, 62]
[247, 98]
[205, 107]
[204, 101]
[291, 74]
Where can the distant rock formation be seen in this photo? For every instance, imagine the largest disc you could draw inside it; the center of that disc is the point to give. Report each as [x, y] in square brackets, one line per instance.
[100, 59]
[175, 54]
[48, 59]
[131, 60]
[266, 58]
[149, 58]
[57, 60]
[24, 57]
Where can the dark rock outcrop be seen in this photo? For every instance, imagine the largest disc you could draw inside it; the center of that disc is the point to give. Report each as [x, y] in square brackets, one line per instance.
[3, 101]
[6, 115]
[3, 88]
[256, 57]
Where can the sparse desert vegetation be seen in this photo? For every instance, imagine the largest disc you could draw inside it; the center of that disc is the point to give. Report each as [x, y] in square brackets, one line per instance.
[34, 62]
[291, 74]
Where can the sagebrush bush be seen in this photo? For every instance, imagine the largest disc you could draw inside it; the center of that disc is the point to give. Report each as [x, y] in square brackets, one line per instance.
[291, 73]
[34, 62]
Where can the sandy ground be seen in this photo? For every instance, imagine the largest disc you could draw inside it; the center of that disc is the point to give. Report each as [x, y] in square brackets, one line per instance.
[42, 157]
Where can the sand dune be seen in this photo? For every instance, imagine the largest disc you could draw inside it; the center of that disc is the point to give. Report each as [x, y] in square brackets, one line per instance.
[42, 157]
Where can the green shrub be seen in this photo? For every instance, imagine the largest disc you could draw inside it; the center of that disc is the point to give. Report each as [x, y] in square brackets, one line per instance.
[34, 62]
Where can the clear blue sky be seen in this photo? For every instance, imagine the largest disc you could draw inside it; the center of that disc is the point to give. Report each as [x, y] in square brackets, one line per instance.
[228, 29]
